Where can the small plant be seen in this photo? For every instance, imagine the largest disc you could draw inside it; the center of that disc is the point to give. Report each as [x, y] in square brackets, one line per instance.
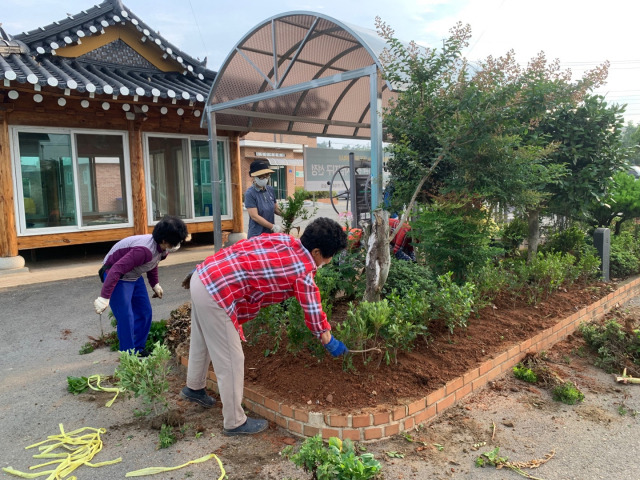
[337, 461]
[293, 210]
[166, 438]
[77, 385]
[157, 332]
[525, 374]
[453, 303]
[494, 459]
[86, 348]
[567, 393]
[146, 377]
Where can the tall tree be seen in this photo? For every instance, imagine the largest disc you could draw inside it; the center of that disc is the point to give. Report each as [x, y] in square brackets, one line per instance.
[479, 130]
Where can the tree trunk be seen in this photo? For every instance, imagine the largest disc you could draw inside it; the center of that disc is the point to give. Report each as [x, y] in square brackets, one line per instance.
[533, 239]
[378, 257]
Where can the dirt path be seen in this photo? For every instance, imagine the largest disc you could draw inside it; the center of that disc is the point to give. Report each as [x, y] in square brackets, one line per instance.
[43, 327]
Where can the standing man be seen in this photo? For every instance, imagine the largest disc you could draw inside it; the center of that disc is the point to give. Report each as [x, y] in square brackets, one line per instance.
[229, 289]
[260, 200]
[124, 287]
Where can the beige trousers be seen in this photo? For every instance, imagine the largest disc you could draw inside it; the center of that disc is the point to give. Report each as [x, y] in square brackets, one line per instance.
[215, 339]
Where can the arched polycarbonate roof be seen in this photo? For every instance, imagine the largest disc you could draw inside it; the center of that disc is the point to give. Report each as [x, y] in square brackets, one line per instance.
[301, 73]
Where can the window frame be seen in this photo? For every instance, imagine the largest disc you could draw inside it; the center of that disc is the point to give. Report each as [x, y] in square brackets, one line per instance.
[189, 190]
[16, 170]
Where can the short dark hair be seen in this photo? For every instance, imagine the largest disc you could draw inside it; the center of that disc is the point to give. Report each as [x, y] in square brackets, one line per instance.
[171, 230]
[325, 234]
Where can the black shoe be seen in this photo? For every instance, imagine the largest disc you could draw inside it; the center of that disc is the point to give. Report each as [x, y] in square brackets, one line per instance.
[251, 426]
[144, 353]
[198, 396]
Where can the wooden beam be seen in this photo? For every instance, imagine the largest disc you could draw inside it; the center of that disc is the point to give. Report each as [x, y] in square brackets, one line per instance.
[138, 185]
[73, 238]
[8, 234]
[235, 176]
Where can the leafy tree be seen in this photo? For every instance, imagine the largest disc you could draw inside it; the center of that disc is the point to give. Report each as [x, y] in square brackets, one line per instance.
[488, 132]
[631, 140]
[621, 203]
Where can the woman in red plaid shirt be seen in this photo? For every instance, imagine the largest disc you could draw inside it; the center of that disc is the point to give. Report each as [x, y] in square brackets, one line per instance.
[232, 286]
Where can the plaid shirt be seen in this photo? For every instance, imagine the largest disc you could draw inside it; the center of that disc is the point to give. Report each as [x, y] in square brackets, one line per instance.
[401, 241]
[261, 271]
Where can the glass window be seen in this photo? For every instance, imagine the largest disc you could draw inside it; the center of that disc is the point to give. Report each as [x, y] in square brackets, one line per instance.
[101, 179]
[48, 184]
[168, 172]
[201, 168]
[63, 186]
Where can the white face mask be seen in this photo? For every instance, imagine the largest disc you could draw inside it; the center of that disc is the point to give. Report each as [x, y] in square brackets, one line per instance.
[173, 249]
[261, 182]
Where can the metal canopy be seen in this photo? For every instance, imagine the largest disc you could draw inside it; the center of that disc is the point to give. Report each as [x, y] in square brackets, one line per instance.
[299, 73]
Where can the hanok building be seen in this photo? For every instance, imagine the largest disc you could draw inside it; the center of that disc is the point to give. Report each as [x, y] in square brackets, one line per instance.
[101, 130]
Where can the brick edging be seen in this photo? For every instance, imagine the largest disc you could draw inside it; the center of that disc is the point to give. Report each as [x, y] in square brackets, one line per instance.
[401, 418]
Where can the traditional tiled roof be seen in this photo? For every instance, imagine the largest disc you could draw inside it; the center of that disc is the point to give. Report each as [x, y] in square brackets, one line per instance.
[113, 69]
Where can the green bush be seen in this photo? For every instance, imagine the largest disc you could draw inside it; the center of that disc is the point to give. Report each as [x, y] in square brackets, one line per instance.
[293, 210]
[406, 276]
[454, 235]
[337, 461]
[567, 393]
[625, 253]
[489, 280]
[525, 374]
[514, 233]
[146, 377]
[569, 240]
[453, 303]
[344, 276]
[613, 345]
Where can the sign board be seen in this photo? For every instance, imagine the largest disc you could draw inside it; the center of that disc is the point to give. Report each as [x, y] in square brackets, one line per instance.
[320, 164]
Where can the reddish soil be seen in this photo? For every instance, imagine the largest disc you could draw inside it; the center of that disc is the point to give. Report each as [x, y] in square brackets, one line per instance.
[301, 380]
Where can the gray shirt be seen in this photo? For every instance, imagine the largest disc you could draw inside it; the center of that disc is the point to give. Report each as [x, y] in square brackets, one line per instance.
[265, 202]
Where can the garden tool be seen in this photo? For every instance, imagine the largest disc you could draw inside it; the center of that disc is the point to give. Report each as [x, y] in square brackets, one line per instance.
[101, 329]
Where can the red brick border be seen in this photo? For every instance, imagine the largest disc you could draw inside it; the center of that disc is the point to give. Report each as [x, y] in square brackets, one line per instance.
[381, 423]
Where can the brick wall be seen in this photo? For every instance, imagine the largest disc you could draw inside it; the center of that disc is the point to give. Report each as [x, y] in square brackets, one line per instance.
[379, 424]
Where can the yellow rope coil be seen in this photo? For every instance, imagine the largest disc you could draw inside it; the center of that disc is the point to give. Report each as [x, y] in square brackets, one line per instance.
[82, 447]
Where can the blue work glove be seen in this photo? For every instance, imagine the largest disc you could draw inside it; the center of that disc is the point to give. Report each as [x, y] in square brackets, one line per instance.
[335, 347]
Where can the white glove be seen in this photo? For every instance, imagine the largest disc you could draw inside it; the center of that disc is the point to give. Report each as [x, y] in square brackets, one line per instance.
[100, 304]
[276, 228]
[157, 291]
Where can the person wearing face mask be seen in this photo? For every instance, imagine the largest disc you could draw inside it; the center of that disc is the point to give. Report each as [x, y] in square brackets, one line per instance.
[123, 286]
[260, 200]
[230, 287]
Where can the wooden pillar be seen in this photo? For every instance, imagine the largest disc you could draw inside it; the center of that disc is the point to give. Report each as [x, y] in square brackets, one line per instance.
[8, 233]
[236, 184]
[138, 185]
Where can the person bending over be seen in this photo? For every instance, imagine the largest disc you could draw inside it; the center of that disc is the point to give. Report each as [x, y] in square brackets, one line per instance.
[230, 287]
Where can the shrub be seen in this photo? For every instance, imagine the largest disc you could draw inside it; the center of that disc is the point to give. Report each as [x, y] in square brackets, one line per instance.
[166, 437]
[525, 374]
[570, 240]
[514, 233]
[453, 303]
[454, 235]
[489, 280]
[567, 393]
[337, 461]
[406, 276]
[623, 261]
[293, 210]
[146, 377]
[343, 276]
[613, 345]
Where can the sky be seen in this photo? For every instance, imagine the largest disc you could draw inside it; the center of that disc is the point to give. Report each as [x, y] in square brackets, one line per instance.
[580, 33]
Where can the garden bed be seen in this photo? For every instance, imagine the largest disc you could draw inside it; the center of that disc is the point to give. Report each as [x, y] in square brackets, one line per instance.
[301, 381]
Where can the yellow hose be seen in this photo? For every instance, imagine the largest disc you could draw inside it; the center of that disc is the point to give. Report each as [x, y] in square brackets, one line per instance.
[82, 447]
[154, 470]
[98, 388]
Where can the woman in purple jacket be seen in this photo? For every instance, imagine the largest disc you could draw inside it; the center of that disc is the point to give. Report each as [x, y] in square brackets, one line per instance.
[124, 287]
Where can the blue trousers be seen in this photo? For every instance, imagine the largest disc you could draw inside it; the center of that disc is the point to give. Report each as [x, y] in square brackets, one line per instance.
[130, 305]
